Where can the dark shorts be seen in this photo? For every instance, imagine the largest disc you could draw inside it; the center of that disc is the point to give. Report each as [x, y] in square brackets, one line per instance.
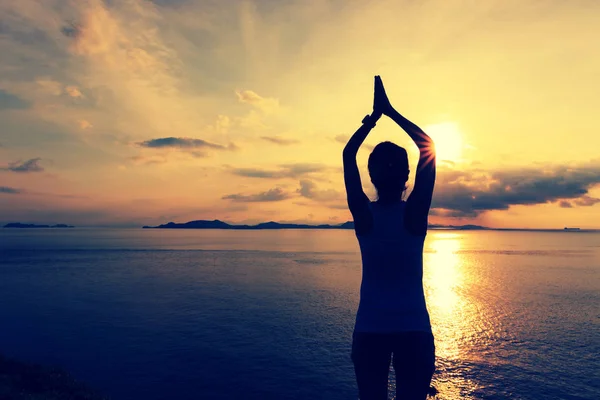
[412, 355]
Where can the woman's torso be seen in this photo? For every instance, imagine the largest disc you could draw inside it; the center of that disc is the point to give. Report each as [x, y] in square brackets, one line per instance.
[391, 293]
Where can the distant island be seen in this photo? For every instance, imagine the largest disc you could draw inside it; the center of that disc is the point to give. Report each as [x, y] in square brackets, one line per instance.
[216, 224]
[20, 225]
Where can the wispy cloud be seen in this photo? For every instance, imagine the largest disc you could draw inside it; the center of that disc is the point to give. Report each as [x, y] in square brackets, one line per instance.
[276, 194]
[148, 160]
[342, 138]
[583, 201]
[31, 165]
[184, 143]
[265, 104]
[280, 141]
[71, 30]
[73, 91]
[565, 204]
[85, 124]
[586, 201]
[284, 171]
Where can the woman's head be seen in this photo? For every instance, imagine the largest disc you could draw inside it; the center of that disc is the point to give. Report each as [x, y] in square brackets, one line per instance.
[388, 168]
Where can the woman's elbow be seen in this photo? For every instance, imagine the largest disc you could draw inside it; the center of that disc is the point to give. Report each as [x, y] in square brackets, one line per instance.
[348, 153]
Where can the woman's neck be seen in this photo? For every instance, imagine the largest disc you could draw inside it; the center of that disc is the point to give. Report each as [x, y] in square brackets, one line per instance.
[390, 198]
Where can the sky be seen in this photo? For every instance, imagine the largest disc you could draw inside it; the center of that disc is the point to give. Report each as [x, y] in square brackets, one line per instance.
[131, 112]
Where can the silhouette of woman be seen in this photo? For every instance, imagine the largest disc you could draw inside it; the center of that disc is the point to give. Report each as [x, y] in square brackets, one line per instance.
[392, 322]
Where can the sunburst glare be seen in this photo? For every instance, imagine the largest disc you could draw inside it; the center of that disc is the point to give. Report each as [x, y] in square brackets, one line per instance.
[448, 140]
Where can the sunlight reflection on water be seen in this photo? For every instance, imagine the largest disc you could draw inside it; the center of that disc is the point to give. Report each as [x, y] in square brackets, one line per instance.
[456, 317]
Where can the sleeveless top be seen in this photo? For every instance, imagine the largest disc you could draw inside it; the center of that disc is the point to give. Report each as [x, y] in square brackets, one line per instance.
[391, 292]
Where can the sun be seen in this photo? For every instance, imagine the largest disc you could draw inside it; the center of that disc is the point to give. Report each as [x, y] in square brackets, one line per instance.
[448, 140]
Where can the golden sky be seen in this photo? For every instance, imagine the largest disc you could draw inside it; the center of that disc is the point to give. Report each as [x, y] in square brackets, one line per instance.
[130, 112]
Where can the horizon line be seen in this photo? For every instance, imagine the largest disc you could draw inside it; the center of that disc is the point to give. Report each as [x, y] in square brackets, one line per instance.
[432, 226]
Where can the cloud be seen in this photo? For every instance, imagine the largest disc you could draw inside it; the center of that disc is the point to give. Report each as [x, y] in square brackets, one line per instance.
[266, 105]
[248, 96]
[85, 124]
[73, 91]
[53, 88]
[304, 168]
[184, 143]
[276, 194]
[583, 201]
[342, 138]
[10, 101]
[586, 201]
[50, 86]
[259, 173]
[152, 160]
[279, 141]
[71, 31]
[309, 190]
[446, 163]
[470, 193]
[25, 166]
[10, 190]
[222, 124]
[285, 171]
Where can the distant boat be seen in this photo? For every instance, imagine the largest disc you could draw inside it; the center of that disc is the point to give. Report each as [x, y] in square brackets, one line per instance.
[572, 229]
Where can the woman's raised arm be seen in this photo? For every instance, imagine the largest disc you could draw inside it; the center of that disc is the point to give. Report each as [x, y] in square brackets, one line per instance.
[419, 201]
[358, 202]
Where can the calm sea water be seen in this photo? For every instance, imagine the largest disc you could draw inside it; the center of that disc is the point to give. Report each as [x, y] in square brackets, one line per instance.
[174, 314]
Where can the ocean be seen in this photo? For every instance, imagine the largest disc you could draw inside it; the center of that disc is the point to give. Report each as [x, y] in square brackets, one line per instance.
[218, 314]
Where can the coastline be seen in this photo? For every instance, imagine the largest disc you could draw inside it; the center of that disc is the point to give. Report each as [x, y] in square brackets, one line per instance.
[271, 225]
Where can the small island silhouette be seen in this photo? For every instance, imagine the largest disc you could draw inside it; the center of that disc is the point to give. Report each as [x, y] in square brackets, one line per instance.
[20, 225]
